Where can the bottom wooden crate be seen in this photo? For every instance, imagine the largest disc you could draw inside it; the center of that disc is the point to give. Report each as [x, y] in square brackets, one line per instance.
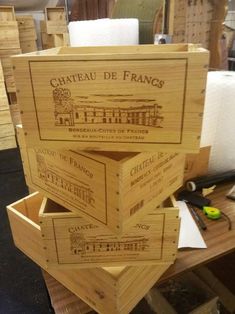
[186, 294]
[108, 290]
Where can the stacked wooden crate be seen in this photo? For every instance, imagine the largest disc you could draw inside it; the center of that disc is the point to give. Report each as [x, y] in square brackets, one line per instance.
[104, 134]
[27, 33]
[9, 43]
[7, 132]
[54, 30]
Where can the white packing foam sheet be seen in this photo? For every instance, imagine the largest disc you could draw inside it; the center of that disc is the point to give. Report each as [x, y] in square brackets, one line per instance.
[218, 128]
[190, 235]
[104, 32]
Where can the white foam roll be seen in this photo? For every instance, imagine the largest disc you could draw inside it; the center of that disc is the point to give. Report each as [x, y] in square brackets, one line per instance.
[218, 129]
[104, 32]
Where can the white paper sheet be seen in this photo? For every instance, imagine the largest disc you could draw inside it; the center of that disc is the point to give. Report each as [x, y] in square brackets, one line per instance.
[190, 235]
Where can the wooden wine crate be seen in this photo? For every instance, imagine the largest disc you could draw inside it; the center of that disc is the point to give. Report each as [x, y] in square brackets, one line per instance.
[27, 30]
[55, 19]
[28, 46]
[9, 35]
[52, 40]
[7, 13]
[136, 98]
[5, 55]
[110, 189]
[108, 290]
[56, 40]
[71, 241]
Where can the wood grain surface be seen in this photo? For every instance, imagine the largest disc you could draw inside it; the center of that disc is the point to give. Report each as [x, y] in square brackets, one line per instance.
[62, 300]
[136, 98]
[219, 239]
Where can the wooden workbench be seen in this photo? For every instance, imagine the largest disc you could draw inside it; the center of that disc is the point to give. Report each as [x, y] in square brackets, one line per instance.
[219, 239]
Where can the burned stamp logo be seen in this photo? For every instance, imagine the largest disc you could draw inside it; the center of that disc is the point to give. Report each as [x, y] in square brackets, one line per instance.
[81, 246]
[51, 178]
[68, 112]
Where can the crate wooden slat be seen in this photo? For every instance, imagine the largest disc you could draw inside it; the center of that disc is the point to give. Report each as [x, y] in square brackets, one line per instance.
[71, 241]
[53, 40]
[5, 55]
[107, 290]
[136, 98]
[7, 132]
[9, 35]
[7, 13]
[110, 189]
[27, 30]
[55, 19]
[15, 114]
[28, 46]
[62, 300]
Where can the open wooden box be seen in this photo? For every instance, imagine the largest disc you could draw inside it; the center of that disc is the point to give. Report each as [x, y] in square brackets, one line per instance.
[130, 98]
[7, 14]
[108, 290]
[55, 20]
[114, 190]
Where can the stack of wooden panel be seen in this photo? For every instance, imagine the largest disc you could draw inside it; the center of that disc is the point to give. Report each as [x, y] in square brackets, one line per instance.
[104, 134]
[9, 43]
[54, 30]
[27, 33]
[7, 132]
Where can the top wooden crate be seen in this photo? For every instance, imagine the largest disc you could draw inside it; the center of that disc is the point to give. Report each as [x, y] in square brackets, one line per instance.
[132, 98]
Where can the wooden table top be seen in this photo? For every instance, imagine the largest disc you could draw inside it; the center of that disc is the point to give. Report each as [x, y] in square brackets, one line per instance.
[219, 239]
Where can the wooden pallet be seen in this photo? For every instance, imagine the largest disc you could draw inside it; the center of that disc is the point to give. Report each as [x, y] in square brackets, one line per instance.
[113, 290]
[137, 98]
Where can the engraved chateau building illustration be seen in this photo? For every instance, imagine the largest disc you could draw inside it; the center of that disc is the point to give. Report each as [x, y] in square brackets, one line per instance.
[68, 113]
[50, 177]
[79, 245]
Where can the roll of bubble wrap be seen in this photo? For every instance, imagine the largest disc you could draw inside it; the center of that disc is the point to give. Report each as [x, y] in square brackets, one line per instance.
[218, 128]
[104, 32]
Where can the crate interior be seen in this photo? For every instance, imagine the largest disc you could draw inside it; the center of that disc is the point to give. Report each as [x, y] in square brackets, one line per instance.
[117, 156]
[7, 14]
[52, 207]
[55, 14]
[129, 49]
[30, 206]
